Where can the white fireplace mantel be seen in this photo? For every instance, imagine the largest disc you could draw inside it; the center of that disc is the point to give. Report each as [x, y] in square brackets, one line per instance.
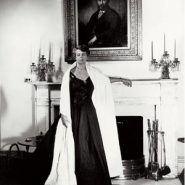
[138, 100]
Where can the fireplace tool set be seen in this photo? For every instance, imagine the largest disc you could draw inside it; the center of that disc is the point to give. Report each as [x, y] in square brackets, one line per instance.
[154, 170]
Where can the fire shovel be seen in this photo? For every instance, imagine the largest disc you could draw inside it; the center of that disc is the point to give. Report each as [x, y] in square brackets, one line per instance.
[164, 169]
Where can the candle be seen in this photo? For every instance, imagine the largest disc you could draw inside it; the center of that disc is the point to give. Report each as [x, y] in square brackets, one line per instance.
[39, 53]
[152, 50]
[174, 49]
[31, 59]
[60, 60]
[164, 42]
[40, 49]
[49, 52]
[31, 55]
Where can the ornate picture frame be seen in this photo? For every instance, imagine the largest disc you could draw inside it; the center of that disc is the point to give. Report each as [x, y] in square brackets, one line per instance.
[78, 12]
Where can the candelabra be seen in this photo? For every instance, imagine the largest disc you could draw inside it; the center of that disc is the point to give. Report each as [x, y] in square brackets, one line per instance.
[43, 71]
[165, 63]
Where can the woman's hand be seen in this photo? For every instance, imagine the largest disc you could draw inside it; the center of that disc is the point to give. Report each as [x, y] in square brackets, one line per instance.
[126, 82]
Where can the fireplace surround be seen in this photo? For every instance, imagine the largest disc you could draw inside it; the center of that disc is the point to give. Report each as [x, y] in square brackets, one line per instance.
[139, 101]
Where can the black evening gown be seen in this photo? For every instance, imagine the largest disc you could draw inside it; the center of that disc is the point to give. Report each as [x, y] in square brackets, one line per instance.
[90, 161]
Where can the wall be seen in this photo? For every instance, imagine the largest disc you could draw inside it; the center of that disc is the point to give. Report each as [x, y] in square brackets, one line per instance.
[25, 26]
[28, 24]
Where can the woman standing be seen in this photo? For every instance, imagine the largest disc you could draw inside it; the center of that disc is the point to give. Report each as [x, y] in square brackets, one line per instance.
[86, 148]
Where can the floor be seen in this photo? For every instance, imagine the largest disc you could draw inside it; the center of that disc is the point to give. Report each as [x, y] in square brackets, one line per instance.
[144, 181]
[8, 180]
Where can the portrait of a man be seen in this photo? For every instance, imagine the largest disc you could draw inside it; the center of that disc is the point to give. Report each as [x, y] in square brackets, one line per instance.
[102, 23]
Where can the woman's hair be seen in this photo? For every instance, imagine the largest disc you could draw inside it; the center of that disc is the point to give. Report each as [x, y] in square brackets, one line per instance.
[83, 48]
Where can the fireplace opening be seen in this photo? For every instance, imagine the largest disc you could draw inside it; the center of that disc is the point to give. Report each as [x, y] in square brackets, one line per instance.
[56, 111]
[130, 133]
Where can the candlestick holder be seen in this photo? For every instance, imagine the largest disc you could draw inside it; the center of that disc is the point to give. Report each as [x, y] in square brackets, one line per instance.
[50, 71]
[165, 64]
[43, 70]
[33, 69]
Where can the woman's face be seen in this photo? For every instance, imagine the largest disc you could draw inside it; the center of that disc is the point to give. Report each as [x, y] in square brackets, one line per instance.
[81, 56]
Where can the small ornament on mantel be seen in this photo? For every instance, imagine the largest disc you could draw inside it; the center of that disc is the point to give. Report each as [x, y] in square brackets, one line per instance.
[33, 68]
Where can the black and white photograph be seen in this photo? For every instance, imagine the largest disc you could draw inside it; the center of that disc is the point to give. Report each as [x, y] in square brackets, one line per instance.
[92, 92]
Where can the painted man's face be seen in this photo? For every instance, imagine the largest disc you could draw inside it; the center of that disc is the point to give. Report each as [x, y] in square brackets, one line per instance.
[102, 4]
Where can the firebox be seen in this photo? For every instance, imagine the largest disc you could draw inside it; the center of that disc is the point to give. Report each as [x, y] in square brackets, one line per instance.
[130, 133]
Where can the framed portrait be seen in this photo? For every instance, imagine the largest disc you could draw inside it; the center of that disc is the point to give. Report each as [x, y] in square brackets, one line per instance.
[113, 32]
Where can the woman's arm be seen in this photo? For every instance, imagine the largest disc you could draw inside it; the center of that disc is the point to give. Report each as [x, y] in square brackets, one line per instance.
[125, 81]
